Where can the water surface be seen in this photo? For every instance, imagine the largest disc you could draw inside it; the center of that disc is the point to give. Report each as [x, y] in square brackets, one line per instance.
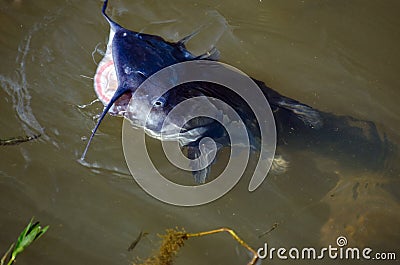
[337, 56]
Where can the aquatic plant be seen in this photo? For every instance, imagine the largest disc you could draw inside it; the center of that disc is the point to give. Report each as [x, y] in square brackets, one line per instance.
[18, 139]
[31, 233]
[174, 239]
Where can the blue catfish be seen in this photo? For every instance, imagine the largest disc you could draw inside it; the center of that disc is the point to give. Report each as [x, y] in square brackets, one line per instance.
[137, 56]
[354, 142]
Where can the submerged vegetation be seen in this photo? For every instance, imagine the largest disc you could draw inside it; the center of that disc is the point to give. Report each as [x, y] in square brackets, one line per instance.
[173, 240]
[31, 233]
[18, 139]
[171, 243]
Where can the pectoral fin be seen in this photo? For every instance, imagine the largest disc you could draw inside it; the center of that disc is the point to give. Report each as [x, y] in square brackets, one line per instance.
[202, 156]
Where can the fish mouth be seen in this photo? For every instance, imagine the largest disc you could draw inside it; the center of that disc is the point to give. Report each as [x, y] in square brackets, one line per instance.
[184, 136]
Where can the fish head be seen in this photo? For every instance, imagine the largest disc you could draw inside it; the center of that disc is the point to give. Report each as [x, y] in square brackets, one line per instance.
[181, 114]
[135, 56]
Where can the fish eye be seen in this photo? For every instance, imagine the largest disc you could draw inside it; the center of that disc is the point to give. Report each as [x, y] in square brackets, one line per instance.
[160, 102]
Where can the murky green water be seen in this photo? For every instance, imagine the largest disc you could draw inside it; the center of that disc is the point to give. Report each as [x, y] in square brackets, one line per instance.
[338, 56]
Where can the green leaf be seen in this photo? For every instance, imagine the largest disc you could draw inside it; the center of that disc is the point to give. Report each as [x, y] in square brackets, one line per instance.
[3, 259]
[27, 236]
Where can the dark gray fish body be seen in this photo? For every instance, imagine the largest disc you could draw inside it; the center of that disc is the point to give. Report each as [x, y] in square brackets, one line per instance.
[137, 56]
[297, 125]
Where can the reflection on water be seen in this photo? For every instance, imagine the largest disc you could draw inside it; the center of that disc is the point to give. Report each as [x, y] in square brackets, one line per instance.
[339, 58]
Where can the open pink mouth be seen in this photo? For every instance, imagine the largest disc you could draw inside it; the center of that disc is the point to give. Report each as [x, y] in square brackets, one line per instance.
[105, 81]
[105, 85]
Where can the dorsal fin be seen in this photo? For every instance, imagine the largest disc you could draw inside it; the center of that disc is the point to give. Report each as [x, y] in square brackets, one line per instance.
[185, 39]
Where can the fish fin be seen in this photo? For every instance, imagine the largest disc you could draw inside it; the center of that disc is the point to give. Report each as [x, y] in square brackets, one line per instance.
[184, 40]
[200, 176]
[279, 165]
[307, 114]
[205, 161]
[118, 93]
[212, 54]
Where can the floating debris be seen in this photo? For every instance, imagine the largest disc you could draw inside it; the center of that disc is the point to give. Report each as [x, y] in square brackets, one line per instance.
[174, 239]
[140, 237]
[273, 227]
[19, 139]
